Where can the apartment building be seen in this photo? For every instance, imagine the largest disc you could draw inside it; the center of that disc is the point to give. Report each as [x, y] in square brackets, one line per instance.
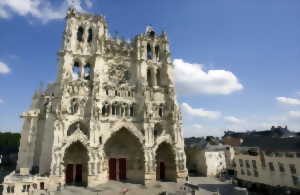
[268, 164]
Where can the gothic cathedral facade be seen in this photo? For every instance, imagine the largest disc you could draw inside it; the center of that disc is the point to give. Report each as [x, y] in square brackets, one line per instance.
[112, 113]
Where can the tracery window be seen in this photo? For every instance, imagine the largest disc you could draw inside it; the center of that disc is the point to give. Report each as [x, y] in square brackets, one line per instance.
[80, 32]
[158, 77]
[87, 71]
[90, 35]
[149, 77]
[76, 71]
[149, 52]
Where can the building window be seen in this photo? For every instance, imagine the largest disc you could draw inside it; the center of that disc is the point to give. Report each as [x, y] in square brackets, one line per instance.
[233, 163]
[254, 164]
[241, 162]
[158, 77]
[255, 173]
[149, 78]
[289, 155]
[90, 37]
[242, 172]
[149, 52]
[80, 32]
[8, 189]
[293, 169]
[295, 180]
[248, 172]
[157, 53]
[42, 185]
[76, 71]
[87, 72]
[281, 167]
[24, 188]
[247, 164]
[100, 140]
[271, 166]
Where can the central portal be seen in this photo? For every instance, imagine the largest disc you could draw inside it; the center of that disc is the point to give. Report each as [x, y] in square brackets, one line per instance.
[125, 157]
[117, 169]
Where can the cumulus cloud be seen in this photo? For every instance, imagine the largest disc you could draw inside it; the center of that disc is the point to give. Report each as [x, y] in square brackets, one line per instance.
[233, 119]
[290, 101]
[192, 78]
[40, 9]
[4, 69]
[200, 112]
[294, 113]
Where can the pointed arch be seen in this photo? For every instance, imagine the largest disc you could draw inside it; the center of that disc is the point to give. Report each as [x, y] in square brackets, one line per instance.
[80, 32]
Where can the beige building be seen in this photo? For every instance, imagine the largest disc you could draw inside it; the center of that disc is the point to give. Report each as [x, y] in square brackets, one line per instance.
[207, 160]
[270, 164]
[112, 113]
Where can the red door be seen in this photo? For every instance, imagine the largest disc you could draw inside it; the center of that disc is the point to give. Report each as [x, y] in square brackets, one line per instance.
[78, 174]
[122, 168]
[112, 165]
[69, 174]
[162, 170]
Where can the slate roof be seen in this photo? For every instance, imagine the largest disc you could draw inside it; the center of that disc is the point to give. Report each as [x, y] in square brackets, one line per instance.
[291, 144]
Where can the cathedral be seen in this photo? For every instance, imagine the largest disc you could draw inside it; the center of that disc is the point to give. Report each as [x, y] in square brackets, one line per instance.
[111, 114]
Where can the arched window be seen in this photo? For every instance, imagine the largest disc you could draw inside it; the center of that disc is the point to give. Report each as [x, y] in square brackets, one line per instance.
[116, 93]
[160, 110]
[106, 91]
[149, 77]
[80, 32]
[149, 52]
[74, 106]
[104, 110]
[87, 72]
[131, 110]
[100, 140]
[76, 71]
[157, 130]
[90, 36]
[157, 52]
[158, 77]
[114, 109]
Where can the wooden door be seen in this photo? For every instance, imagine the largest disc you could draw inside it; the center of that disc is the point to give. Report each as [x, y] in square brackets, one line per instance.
[112, 169]
[78, 174]
[122, 168]
[162, 170]
[69, 174]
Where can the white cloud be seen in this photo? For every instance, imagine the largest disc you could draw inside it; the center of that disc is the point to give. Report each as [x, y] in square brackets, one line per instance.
[4, 69]
[294, 113]
[286, 100]
[40, 9]
[233, 119]
[1, 101]
[197, 126]
[200, 112]
[191, 78]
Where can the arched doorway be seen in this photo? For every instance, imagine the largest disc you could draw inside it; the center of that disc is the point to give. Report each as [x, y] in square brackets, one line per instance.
[125, 157]
[165, 163]
[76, 164]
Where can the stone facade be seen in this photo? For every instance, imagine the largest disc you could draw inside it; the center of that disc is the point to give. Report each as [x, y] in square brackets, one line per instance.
[112, 113]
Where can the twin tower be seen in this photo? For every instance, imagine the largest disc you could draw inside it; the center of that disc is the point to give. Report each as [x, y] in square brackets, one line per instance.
[112, 113]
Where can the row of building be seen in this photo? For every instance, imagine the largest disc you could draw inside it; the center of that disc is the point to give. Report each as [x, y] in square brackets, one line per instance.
[265, 161]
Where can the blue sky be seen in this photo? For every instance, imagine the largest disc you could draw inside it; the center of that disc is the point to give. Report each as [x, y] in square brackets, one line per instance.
[237, 62]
